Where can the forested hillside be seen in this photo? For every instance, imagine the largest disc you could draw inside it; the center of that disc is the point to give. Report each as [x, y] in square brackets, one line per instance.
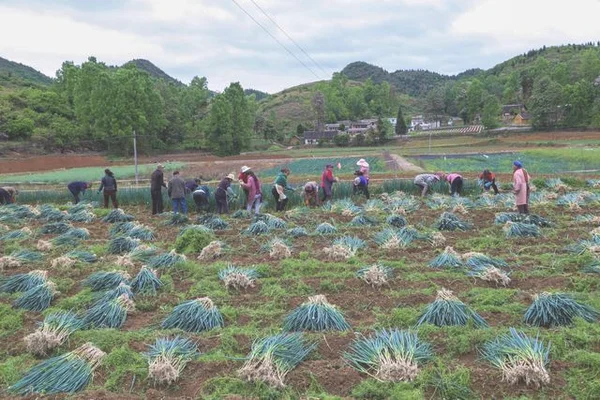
[95, 106]
[13, 74]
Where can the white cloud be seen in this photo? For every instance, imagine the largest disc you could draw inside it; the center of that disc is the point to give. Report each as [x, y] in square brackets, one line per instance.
[45, 40]
[522, 24]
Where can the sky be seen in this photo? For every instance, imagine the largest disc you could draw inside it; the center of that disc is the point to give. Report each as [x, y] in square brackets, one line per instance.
[219, 40]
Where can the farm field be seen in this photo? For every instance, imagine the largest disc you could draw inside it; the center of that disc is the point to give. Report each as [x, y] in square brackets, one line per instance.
[397, 231]
[542, 161]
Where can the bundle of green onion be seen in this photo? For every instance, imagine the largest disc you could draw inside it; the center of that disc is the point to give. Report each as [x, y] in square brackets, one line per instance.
[52, 332]
[166, 260]
[23, 282]
[194, 316]
[168, 357]
[397, 221]
[325, 229]
[146, 282]
[55, 228]
[450, 222]
[68, 373]
[257, 228]
[519, 357]
[212, 222]
[389, 356]
[317, 314]
[38, 298]
[449, 258]
[519, 229]
[297, 232]
[504, 217]
[376, 275]
[557, 309]
[117, 215]
[177, 219]
[363, 220]
[273, 357]
[104, 280]
[238, 278]
[108, 314]
[122, 244]
[81, 255]
[111, 294]
[448, 310]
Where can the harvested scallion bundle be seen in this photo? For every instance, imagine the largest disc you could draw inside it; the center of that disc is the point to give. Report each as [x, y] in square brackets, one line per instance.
[389, 356]
[519, 357]
[106, 280]
[448, 310]
[238, 278]
[447, 259]
[375, 275]
[166, 260]
[272, 357]
[38, 298]
[557, 309]
[53, 332]
[23, 282]
[109, 314]
[68, 373]
[168, 357]
[146, 282]
[317, 314]
[194, 316]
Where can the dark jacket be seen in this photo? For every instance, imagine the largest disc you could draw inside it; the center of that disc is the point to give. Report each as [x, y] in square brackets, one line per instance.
[157, 180]
[176, 188]
[190, 185]
[109, 183]
[77, 187]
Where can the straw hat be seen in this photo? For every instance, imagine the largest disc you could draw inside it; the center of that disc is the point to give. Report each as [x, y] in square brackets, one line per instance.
[245, 169]
[230, 176]
[362, 163]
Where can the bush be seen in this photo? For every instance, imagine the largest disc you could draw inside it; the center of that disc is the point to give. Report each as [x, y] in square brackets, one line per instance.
[342, 140]
[193, 241]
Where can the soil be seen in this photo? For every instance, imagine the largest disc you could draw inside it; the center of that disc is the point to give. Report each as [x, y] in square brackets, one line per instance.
[352, 296]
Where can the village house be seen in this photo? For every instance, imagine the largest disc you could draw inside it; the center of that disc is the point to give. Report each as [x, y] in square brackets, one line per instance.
[522, 118]
[418, 123]
[362, 126]
[313, 137]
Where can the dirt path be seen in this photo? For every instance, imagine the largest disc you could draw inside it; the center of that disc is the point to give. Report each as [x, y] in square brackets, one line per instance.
[396, 163]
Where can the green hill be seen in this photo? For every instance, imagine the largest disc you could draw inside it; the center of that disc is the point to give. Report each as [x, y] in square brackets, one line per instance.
[13, 74]
[153, 71]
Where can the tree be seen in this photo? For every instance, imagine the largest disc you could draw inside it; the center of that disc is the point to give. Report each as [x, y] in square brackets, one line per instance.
[546, 103]
[590, 65]
[401, 128]
[491, 112]
[580, 101]
[300, 130]
[383, 129]
[342, 140]
[434, 104]
[475, 96]
[511, 89]
[220, 127]
[242, 118]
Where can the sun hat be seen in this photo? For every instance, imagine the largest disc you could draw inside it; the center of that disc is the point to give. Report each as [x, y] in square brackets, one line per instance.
[160, 166]
[230, 176]
[245, 169]
[363, 163]
[518, 164]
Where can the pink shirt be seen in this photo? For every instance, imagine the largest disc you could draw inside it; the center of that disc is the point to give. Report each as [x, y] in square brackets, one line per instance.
[452, 177]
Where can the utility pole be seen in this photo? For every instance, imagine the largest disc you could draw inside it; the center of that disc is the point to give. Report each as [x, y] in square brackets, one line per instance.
[135, 158]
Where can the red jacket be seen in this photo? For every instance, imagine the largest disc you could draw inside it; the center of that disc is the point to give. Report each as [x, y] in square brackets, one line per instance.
[488, 178]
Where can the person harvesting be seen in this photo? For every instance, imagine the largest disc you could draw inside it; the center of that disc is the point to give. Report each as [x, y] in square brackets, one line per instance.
[425, 181]
[109, 185]
[521, 187]
[254, 192]
[279, 187]
[223, 190]
[487, 180]
[327, 181]
[157, 182]
[456, 183]
[76, 188]
[176, 190]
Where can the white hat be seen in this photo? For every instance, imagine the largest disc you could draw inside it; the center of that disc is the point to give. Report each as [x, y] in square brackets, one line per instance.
[362, 162]
[230, 176]
[245, 169]
[160, 166]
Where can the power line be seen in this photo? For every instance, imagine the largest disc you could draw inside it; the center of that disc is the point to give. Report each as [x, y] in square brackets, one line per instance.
[288, 36]
[274, 38]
